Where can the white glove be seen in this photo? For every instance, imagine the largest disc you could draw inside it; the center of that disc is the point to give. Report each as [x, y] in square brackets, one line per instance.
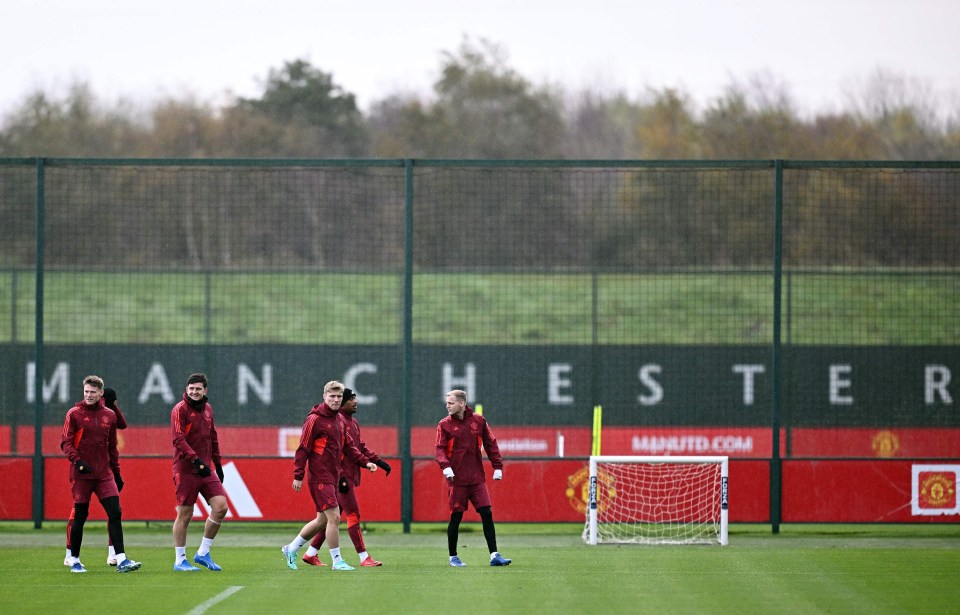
[448, 472]
[497, 474]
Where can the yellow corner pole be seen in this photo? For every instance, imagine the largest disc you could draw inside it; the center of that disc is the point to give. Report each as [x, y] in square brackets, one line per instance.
[478, 409]
[597, 429]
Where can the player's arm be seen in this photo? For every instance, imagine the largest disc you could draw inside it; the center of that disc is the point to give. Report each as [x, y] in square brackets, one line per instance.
[67, 444]
[113, 450]
[441, 448]
[303, 451]
[493, 449]
[373, 456]
[178, 425]
[353, 453]
[444, 446]
[215, 450]
[121, 420]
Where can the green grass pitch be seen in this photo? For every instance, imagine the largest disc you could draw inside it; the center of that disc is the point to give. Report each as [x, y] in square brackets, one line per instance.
[803, 569]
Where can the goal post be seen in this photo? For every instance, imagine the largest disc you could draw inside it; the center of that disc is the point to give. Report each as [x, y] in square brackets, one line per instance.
[657, 500]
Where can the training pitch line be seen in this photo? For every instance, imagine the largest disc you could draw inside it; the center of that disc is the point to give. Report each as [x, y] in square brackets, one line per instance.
[200, 609]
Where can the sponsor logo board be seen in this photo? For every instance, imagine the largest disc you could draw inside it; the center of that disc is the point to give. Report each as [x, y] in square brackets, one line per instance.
[934, 489]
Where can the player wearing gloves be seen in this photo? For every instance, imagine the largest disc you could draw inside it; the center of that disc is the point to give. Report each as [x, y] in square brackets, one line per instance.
[346, 488]
[195, 450]
[89, 440]
[324, 442]
[110, 401]
[459, 437]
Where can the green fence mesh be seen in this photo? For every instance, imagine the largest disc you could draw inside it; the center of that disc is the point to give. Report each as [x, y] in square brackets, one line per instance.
[541, 287]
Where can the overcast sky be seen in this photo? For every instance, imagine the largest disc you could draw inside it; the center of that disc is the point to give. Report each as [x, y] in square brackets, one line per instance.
[145, 50]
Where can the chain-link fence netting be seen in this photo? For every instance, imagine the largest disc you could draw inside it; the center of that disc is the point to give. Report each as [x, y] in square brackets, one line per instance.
[542, 288]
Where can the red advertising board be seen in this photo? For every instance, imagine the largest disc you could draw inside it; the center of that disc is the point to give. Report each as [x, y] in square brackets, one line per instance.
[814, 491]
[5, 444]
[547, 489]
[234, 440]
[902, 442]
[257, 490]
[16, 495]
[553, 442]
[866, 491]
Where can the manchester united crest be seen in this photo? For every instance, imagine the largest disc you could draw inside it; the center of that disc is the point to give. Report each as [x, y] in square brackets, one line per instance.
[578, 490]
[885, 443]
[935, 489]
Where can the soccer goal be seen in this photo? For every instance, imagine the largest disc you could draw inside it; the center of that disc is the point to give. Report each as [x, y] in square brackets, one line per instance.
[657, 500]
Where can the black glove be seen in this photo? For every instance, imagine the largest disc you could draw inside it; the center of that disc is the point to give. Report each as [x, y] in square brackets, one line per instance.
[202, 470]
[82, 466]
[110, 398]
[383, 465]
[219, 472]
[344, 486]
[118, 480]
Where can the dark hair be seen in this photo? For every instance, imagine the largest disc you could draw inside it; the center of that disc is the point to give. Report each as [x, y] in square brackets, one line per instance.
[198, 377]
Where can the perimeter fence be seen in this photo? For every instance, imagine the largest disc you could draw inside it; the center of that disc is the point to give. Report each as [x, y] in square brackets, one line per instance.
[779, 308]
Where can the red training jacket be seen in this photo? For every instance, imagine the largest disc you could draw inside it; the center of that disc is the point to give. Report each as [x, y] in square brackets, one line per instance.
[90, 433]
[323, 442]
[194, 435]
[348, 468]
[458, 447]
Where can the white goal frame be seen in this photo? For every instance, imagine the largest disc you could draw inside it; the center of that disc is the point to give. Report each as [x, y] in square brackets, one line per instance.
[591, 532]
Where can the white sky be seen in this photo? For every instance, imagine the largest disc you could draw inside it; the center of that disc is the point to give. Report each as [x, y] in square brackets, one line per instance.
[146, 50]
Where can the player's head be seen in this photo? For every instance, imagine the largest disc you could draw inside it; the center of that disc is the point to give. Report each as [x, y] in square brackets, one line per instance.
[456, 401]
[197, 386]
[349, 403]
[198, 377]
[110, 397]
[92, 390]
[333, 394]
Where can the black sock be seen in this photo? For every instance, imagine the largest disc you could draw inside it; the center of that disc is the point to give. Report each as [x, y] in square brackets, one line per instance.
[453, 531]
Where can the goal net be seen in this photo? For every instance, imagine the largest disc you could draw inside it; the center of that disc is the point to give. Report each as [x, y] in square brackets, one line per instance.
[657, 500]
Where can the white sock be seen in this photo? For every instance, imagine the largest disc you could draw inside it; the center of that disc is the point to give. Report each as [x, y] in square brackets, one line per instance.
[335, 554]
[311, 551]
[493, 555]
[181, 554]
[111, 552]
[121, 557]
[296, 544]
[451, 557]
[69, 554]
[363, 555]
[205, 545]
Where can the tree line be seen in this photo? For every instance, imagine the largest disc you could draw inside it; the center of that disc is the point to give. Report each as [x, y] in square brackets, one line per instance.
[482, 108]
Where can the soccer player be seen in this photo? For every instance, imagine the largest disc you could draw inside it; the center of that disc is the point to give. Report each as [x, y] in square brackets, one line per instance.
[459, 436]
[110, 401]
[323, 441]
[89, 440]
[347, 488]
[195, 450]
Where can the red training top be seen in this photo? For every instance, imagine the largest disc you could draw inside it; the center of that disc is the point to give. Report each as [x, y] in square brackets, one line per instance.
[323, 443]
[194, 435]
[458, 447]
[348, 468]
[90, 434]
